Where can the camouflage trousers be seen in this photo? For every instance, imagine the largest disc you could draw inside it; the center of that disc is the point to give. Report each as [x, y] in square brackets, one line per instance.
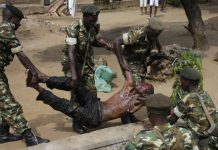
[89, 82]
[11, 112]
[139, 71]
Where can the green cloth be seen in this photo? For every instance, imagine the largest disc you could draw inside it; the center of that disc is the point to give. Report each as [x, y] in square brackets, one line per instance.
[103, 78]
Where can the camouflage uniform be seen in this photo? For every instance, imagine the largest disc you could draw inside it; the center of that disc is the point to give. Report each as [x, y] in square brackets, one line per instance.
[165, 137]
[190, 110]
[83, 40]
[136, 49]
[10, 110]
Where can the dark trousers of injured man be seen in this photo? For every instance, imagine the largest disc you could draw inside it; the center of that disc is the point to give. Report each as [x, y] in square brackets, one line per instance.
[89, 114]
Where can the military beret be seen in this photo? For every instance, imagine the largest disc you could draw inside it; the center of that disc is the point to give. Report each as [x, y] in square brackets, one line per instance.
[190, 74]
[90, 10]
[158, 103]
[156, 24]
[15, 11]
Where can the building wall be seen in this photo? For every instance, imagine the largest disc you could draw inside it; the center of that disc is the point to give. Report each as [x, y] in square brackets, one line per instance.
[21, 1]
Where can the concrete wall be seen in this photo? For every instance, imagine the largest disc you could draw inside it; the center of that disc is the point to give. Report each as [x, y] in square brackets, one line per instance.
[21, 1]
[113, 138]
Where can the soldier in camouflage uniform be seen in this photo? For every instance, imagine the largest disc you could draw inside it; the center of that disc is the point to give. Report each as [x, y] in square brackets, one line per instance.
[132, 50]
[190, 109]
[78, 56]
[163, 136]
[11, 113]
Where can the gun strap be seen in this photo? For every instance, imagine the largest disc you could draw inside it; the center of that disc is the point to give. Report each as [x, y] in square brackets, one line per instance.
[84, 62]
[208, 116]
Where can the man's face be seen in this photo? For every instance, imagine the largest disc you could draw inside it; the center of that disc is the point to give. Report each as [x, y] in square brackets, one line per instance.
[90, 20]
[16, 21]
[144, 88]
[184, 84]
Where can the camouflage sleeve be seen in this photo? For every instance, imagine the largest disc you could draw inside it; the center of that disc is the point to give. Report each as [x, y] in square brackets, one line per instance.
[183, 107]
[187, 139]
[97, 27]
[130, 146]
[211, 106]
[132, 36]
[71, 34]
[9, 36]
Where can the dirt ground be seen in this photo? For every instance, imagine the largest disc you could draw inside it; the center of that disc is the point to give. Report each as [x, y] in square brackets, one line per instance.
[43, 42]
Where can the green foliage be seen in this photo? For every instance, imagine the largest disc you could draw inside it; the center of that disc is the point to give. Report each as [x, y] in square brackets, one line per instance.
[187, 59]
[175, 3]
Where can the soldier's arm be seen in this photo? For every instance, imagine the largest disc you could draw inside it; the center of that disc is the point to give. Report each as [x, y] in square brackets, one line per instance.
[74, 72]
[117, 49]
[159, 46]
[71, 41]
[28, 65]
[183, 108]
[101, 42]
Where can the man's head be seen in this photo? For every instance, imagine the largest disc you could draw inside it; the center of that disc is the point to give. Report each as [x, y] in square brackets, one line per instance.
[158, 107]
[154, 28]
[90, 15]
[12, 14]
[144, 88]
[189, 79]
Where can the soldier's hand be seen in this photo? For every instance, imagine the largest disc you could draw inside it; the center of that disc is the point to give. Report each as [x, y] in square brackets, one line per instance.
[42, 77]
[172, 118]
[109, 46]
[74, 83]
[31, 80]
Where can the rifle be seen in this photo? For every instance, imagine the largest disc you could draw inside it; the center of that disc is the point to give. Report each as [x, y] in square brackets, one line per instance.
[157, 56]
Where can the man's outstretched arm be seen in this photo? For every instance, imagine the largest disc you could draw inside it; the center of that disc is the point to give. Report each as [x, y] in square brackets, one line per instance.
[29, 65]
[117, 49]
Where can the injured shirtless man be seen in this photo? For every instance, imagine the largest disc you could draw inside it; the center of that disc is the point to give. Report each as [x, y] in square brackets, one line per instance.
[93, 112]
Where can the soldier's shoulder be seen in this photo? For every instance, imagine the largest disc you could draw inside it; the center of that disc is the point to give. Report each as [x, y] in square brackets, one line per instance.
[6, 31]
[75, 24]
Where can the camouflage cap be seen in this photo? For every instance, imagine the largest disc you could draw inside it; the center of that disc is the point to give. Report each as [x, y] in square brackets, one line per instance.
[90, 10]
[190, 74]
[156, 24]
[158, 103]
[15, 11]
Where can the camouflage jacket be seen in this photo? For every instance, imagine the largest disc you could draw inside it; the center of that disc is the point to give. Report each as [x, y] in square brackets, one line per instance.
[136, 45]
[77, 35]
[189, 108]
[9, 44]
[165, 137]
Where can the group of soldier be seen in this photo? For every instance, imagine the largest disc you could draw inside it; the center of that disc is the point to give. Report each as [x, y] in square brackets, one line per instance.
[193, 105]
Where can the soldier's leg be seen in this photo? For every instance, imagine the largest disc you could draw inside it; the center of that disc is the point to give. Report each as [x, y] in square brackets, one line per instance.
[11, 111]
[90, 85]
[77, 126]
[89, 82]
[5, 135]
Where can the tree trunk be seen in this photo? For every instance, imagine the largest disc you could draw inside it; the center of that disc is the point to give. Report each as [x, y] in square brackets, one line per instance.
[196, 24]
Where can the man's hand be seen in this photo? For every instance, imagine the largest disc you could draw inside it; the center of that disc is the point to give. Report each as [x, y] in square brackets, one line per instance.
[31, 80]
[172, 118]
[42, 78]
[108, 46]
[74, 83]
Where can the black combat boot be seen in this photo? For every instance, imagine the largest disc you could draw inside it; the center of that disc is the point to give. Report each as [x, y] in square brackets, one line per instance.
[6, 136]
[77, 127]
[31, 139]
[128, 118]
